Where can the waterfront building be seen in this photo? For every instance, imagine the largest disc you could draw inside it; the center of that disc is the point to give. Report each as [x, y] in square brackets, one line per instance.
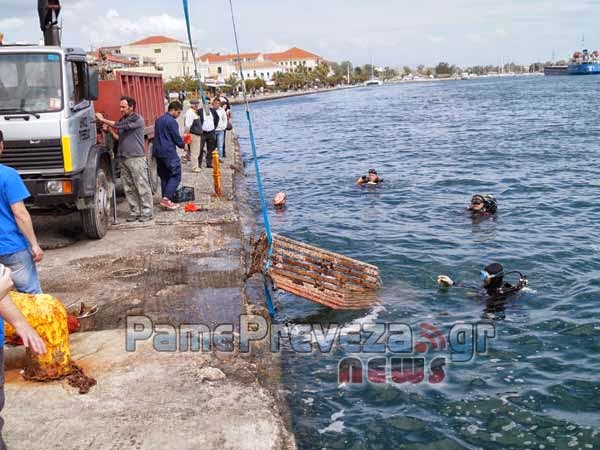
[173, 58]
[258, 65]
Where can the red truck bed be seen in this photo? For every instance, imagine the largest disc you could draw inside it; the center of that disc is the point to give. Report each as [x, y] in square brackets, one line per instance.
[146, 88]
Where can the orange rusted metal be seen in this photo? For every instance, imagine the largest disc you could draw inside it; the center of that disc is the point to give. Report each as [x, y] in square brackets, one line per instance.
[216, 173]
[48, 317]
[321, 276]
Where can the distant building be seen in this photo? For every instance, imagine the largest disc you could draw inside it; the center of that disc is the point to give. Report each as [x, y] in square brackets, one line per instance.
[294, 57]
[112, 61]
[171, 57]
[258, 65]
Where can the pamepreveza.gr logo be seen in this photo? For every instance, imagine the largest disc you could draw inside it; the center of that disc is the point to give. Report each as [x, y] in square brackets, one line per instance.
[415, 357]
[377, 352]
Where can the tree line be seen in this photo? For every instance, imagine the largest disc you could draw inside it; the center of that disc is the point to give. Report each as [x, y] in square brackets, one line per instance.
[333, 74]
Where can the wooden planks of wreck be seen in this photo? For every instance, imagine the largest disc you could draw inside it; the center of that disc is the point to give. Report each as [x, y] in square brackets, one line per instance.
[321, 276]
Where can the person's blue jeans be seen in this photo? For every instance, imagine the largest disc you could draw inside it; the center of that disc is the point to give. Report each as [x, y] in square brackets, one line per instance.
[24, 273]
[221, 142]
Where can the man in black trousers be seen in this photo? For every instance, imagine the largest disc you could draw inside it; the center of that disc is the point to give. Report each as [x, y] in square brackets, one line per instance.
[206, 130]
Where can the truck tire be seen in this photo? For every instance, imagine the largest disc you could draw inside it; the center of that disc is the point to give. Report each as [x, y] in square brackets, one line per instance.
[96, 219]
[153, 171]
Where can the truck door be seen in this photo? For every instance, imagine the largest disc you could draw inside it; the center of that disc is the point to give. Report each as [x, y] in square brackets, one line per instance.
[81, 125]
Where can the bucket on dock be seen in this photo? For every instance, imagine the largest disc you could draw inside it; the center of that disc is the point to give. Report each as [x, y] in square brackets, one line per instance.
[85, 315]
[321, 276]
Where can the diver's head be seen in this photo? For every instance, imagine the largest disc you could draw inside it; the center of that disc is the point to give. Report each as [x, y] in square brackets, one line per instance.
[493, 276]
[279, 200]
[477, 203]
[372, 176]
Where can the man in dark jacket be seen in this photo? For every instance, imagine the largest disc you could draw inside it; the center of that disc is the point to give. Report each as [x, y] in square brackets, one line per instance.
[206, 130]
[166, 141]
[129, 132]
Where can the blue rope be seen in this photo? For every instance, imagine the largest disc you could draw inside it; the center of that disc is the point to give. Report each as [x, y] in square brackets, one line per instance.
[261, 193]
[189, 34]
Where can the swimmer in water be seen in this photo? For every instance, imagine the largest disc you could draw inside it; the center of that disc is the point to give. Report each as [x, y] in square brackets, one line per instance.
[483, 205]
[494, 286]
[370, 178]
[279, 200]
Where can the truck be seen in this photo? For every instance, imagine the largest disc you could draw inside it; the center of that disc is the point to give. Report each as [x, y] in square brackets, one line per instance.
[48, 99]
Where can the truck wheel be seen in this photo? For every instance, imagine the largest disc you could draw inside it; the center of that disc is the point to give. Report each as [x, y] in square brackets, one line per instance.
[96, 219]
[153, 171]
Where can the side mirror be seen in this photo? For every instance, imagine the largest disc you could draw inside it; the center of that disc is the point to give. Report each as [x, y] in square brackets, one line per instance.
[92, 85]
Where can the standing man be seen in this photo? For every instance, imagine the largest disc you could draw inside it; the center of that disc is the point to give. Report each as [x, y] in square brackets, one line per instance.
[132, 160]
[191, 115]
[206, 128]
[221, 126]
[166, 141]
[19, 248]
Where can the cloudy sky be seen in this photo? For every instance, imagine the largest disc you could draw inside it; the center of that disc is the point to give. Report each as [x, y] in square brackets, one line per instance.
[393, 32]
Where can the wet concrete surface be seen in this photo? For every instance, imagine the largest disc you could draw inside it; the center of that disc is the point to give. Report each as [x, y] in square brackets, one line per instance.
[192, 260]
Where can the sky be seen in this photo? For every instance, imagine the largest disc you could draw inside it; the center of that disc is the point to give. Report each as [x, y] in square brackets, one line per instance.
[389, 32]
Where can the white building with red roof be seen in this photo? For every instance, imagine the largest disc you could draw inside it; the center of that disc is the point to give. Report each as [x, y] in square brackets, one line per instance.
[294, 57]
[258, 65]
[173, 58]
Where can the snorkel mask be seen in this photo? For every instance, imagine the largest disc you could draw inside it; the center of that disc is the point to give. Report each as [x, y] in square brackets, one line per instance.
[485, 276]
[522, 283]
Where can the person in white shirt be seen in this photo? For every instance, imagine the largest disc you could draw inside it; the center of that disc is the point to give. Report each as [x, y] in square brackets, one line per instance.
[205, 128]
[190, 115]
[221, 126]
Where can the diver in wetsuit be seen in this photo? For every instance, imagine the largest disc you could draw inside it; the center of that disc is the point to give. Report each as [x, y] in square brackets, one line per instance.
[494, 286]
[495, 291]
[370, 178]
[483, 205]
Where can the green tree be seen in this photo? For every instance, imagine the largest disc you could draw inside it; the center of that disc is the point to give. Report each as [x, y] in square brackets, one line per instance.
[321, 72]
[443, 68]
[389, 73]
[407, 70]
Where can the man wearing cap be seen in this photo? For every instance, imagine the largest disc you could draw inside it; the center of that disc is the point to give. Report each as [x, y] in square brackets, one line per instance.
[370, 178]
[190, 115]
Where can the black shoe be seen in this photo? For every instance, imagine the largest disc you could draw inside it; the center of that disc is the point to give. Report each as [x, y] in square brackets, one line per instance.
[132, 218]
[145, 219]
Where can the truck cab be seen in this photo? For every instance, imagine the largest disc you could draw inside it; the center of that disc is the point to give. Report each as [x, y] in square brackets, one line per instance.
[50, 136]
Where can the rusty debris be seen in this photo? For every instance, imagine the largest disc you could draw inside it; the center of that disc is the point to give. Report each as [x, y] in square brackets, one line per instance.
[78, 379]
[321, 276]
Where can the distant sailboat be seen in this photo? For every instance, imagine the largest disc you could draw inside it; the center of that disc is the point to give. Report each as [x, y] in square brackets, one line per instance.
[373, 81]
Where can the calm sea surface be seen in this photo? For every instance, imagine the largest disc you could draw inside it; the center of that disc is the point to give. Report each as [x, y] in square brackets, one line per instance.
[534, 143]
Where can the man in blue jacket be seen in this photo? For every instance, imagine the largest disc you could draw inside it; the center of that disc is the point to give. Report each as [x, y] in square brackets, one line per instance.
[166, 141]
